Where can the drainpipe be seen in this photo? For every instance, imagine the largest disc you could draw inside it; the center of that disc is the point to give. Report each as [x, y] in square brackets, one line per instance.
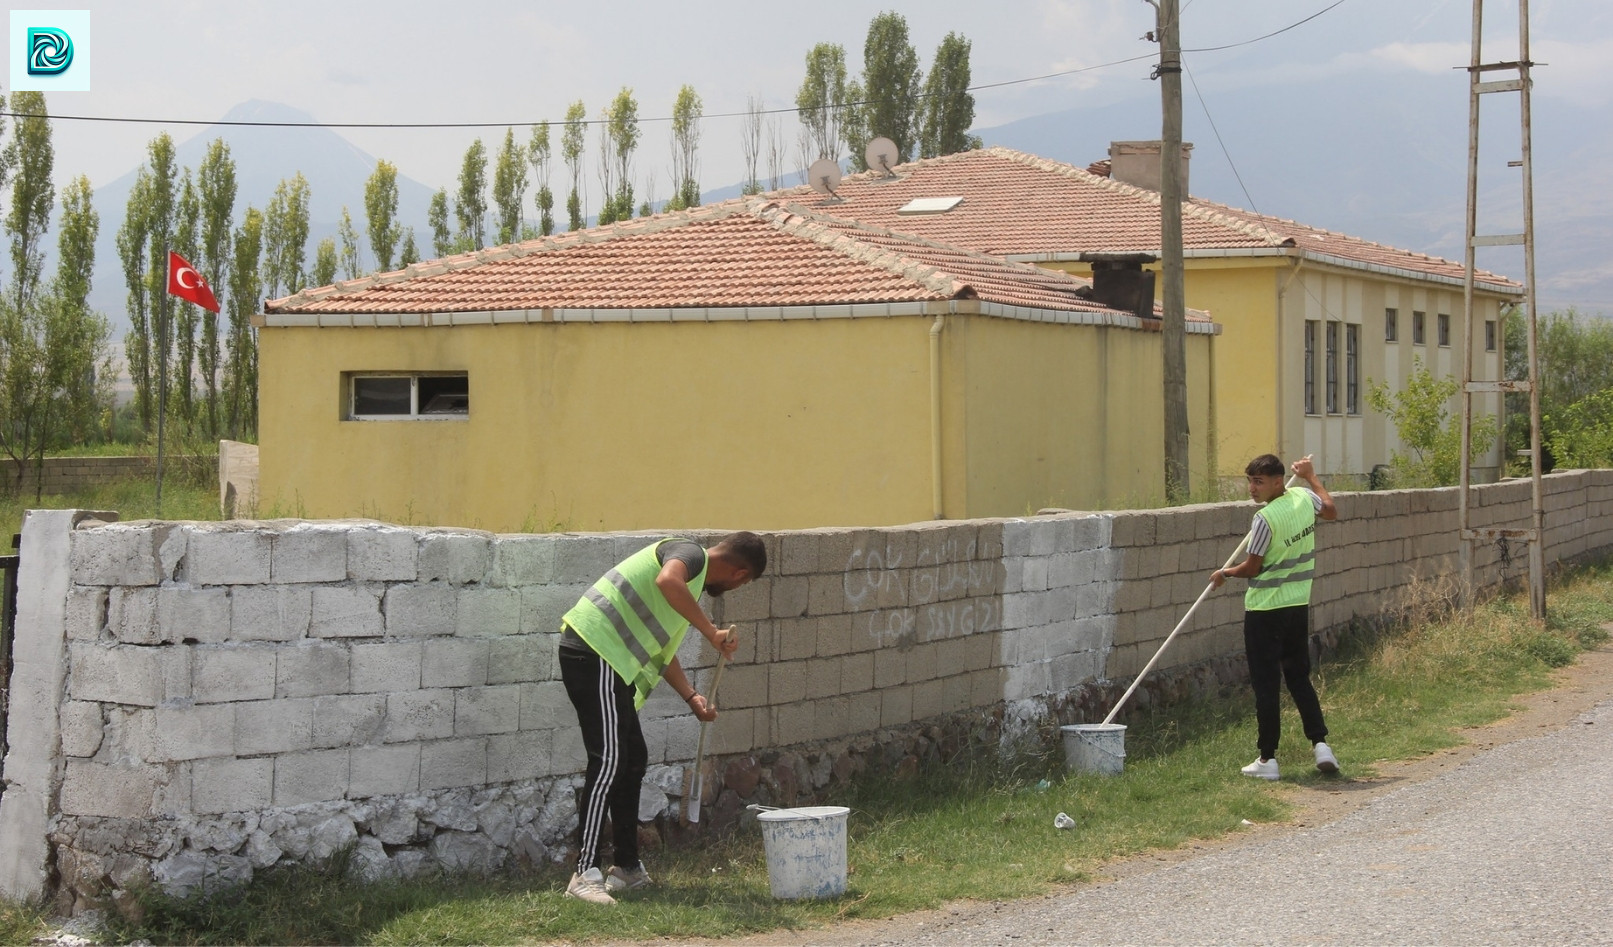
[935, 416]
[1282, 400]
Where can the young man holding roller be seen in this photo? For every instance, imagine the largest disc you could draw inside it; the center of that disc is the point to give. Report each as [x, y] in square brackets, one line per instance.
[1276, 616]
[616, 644]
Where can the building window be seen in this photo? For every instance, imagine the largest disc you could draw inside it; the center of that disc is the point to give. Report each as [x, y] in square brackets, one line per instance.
[1489, 335]
[1352, 369]
[1391, 325]
[1419, 335]
[1332, 368]
[1310, 366]
[383, 397]
[1444, 330]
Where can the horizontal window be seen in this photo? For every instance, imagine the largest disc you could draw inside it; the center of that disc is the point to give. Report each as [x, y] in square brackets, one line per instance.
[383, 396]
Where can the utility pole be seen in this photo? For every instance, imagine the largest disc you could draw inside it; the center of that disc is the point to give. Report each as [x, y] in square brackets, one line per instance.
[1534, 535]
[1169, 74]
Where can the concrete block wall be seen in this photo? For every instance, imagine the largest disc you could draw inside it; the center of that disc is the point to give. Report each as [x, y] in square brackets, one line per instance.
[201, 700]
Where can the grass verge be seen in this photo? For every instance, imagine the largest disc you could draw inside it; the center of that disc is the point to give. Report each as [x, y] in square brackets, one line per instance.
[962, 831]
[21, 923]
[133, 499]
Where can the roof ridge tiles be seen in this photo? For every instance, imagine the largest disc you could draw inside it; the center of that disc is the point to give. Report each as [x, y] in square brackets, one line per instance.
[807, 226]
[1028, 269]
[638, 226]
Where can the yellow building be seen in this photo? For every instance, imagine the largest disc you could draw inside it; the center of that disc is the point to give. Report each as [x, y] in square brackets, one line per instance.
[1311, 318]
[738, 365]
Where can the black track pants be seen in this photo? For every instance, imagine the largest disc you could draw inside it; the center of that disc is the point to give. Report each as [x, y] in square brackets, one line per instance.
[617, 756]
[1277, 644]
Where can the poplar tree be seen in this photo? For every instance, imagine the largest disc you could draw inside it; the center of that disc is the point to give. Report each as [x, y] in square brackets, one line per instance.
[410, 253]
[241, 347]
[347, 258]
[607, 171]
[686, 114]
[889, 91]
[509, 187]
[624, 136]
[538, 153]
[442, 241]
[949, 108]
[31, 158]
[470, 202]
[572, 143]
[381, 213]
[324, 263]
[149, 223]
[132, 241]
[821, 101]
[82, 371]
[750, 143]
[181, 383]
[216, 183]
[285, 238]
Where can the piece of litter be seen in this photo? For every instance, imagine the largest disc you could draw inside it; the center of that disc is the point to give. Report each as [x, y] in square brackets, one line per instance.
[1246, 822]
[1063, 821]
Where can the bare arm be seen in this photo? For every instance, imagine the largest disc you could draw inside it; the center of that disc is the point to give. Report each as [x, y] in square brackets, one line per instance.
[673, 581]
[1247, 569]
[1306, 472]
[680, 682]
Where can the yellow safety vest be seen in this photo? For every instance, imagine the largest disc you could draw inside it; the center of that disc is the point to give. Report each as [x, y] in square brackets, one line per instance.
[1286, 571]
[629, 623]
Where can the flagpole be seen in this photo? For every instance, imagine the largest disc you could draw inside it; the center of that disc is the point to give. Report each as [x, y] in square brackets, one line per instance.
[162, 371]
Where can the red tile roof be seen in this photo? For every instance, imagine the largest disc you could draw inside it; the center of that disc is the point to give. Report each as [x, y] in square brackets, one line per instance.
[741, 253]
[1020, 205]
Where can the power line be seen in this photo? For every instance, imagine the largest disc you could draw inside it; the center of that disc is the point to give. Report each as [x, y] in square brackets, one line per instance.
[1227, 154]
[1247, 42]
[600, 121]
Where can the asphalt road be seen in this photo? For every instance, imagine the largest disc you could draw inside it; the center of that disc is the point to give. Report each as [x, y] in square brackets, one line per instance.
[1510, 847]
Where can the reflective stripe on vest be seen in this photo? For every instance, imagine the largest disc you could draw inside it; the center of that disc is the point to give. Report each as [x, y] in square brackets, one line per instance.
[1289, 564]
[625, 618]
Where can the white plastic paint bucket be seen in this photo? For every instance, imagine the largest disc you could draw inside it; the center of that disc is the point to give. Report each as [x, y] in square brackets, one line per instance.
[806, 850]
[1095, 747]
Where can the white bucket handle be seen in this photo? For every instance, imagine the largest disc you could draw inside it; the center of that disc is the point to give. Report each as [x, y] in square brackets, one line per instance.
[758, 807]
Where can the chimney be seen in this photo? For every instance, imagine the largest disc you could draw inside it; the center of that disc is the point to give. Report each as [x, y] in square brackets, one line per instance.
[1137, 163]
[1120, 282]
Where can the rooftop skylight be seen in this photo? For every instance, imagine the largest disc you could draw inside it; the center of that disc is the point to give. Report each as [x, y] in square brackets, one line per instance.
[929, 205]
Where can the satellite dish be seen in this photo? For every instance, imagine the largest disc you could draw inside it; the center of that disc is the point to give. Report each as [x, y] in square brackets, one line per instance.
[881, 155]
[824, 176]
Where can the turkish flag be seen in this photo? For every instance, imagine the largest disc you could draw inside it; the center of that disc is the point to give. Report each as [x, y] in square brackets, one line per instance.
[186, 283]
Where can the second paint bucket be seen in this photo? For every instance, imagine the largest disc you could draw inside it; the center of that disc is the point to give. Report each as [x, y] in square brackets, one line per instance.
[806, 850]
[1095, 747]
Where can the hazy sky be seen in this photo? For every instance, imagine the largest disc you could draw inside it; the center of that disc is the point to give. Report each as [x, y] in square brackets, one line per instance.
[513, 62]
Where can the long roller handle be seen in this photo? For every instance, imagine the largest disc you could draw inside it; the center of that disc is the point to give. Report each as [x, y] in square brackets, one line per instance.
[695, 781]
[1208, 587]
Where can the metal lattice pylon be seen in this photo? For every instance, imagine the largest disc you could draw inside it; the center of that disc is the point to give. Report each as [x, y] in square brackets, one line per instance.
[1479, 86]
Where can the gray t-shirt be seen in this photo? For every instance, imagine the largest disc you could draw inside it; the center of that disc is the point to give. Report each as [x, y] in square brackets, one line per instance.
[685, 551]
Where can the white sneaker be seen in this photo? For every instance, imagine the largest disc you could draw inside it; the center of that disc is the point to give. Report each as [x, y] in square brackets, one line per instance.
[1325, 760]
[623, 879]
[1262, 769]
[589, 886]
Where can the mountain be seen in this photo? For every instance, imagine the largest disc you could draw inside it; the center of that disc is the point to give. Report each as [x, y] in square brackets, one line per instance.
[335, 168]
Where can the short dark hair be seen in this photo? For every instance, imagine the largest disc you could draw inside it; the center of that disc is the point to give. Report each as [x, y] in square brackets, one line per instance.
[1266, 465]
[747, 547]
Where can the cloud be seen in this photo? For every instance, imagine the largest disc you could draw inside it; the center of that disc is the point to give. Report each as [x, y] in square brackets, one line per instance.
[1432, 58]
[1572, 71]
